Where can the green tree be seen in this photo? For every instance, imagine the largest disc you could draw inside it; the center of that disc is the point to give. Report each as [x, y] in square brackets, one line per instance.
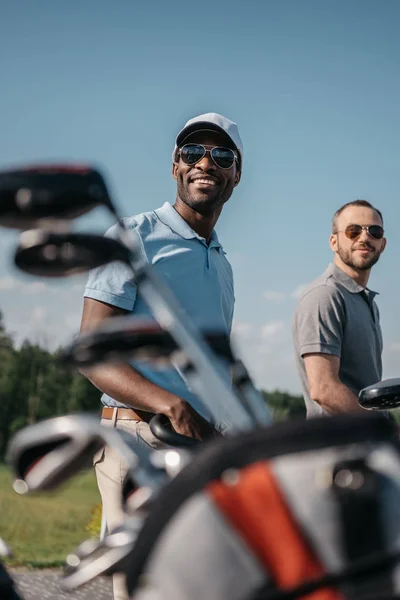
[6, 342]
[7, 385]
[35, 385]
[284, 405]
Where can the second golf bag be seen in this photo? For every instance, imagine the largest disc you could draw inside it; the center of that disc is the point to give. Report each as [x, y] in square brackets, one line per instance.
[301, 509]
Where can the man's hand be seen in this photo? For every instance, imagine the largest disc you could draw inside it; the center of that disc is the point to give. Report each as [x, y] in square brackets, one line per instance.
[185, 420]
[123, 383]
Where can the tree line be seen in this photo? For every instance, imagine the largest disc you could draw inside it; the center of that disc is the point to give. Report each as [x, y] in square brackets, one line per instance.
[35, 385]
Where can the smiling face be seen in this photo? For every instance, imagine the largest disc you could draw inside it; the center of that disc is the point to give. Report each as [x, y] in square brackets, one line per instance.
[204, 186]
[359, 254]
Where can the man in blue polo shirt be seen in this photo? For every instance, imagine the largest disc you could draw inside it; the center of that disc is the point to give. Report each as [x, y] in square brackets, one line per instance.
[183, 247]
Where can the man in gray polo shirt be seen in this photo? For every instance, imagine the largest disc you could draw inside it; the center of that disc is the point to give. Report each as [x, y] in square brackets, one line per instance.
[336, 330]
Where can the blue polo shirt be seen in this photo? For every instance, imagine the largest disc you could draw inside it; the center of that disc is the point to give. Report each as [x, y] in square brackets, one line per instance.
[198, 273]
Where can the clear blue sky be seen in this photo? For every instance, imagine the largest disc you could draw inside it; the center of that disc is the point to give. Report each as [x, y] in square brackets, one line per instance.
[314, 86]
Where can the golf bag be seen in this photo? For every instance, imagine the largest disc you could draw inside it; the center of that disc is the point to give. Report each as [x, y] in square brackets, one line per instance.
[301, 509]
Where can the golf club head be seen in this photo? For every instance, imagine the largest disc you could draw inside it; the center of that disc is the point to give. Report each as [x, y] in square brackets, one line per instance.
[119, 339]
[129, 488]
[44, 455]
[94, 558]
[49, 254]
[126, 338]
[382, 395]
[31, 194]
[161, 428]
[5, 549]
[135, 498]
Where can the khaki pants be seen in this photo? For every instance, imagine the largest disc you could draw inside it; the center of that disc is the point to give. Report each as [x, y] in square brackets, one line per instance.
[110, 472]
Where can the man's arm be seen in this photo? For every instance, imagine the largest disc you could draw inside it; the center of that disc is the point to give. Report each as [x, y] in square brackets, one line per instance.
[325, 386]
[123, 383]
[320, 318]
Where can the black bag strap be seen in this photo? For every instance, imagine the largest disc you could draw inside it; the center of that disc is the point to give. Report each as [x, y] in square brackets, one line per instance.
[358, 492]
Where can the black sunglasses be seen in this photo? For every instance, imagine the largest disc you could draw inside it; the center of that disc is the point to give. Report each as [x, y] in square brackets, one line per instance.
[222, 157]
[354, 231]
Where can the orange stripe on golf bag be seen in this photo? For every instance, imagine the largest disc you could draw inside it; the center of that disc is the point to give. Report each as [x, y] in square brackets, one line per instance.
[258, 511]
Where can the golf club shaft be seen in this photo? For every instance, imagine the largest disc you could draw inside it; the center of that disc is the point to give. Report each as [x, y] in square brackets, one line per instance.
[137, 458]
[249, 394]
[169, 314]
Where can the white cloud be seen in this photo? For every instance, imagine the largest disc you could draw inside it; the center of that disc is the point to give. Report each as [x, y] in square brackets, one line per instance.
[73, 322]
[273, 296]
[39, 313]
[298, 291]
[8, 283]
[269, 357]
[242, 329]
[394, 346]
[237, 258]
[77, 287]
[7, 239]
[270, 330]
[263, 349]
[35, 286]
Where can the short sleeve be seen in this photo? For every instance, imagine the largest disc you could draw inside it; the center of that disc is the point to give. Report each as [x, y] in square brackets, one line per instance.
[319, 322]
[112, 283]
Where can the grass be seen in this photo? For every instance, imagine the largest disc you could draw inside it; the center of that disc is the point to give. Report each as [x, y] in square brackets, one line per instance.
[42, 529]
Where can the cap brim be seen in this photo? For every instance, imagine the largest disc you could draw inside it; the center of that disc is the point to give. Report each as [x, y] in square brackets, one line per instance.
[200, 126]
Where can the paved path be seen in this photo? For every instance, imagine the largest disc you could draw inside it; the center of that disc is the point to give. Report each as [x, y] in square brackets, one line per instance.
[43, 585]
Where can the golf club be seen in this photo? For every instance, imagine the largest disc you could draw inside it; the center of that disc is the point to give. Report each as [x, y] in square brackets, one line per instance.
[161, 302]
[37, 195]
[124, 338]
[382, 395]
[161, 428]
[106, 557]
[110, 555]
[5, 549]
[27, 196]
[135, 498]
[44, 455]
[45, 253]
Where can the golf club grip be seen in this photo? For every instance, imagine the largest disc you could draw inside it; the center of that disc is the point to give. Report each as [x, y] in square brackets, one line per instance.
[161, 428]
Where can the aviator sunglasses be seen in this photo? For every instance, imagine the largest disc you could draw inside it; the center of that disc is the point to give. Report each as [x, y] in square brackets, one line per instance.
[354, 231]
[222, 157]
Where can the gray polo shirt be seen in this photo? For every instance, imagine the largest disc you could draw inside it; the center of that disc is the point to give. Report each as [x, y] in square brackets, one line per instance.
[335, 315]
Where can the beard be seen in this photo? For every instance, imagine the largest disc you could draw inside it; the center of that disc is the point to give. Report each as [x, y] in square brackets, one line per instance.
[359, 263]
[207, 202]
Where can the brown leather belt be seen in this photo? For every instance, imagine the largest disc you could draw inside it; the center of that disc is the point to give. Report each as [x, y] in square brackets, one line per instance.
[125, 414]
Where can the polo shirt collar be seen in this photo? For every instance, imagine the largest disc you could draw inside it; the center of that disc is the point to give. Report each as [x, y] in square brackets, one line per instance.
[347, 282]
[170, 217]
